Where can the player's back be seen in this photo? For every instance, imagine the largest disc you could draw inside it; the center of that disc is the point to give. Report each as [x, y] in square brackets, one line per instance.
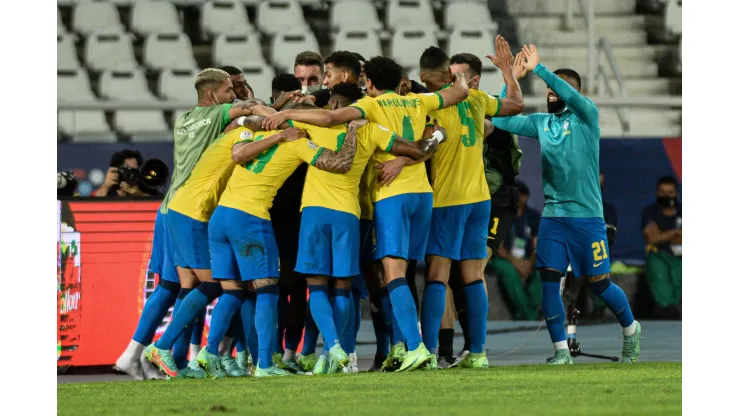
[193, 132]
[198, 196]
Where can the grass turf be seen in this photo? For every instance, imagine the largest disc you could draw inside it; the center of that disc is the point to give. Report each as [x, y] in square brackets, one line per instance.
[584, 389]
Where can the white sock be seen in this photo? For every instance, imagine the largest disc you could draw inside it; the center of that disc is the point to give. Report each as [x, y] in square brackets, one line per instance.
[353, 358]
[224, 347]
[133, 351]
[560, 345]
[194, 350]
[630, 330]
[289, 355]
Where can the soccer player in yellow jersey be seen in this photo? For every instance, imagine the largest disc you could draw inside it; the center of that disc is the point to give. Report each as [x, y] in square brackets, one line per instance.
[462, 205]
[403, 209]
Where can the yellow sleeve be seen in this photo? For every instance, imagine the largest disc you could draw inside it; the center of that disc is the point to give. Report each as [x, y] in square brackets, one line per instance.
[430, 101]
[366, 105]
[239, 135]
[306, 150]
[493, 105]
[381, 136]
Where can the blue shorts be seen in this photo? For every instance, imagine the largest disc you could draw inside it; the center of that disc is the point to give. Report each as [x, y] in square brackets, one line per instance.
[189, 241]
[580, 242]
[359, 286]
[367, 241]
[242, 246]
[161, 261]
[460, 232]
[402, 226]
[329, 243]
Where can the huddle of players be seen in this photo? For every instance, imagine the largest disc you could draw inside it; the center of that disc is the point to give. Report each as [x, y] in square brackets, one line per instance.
[215, 222]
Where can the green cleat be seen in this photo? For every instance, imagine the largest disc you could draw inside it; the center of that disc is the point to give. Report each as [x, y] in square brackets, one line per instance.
[415, 359]
[474, 360]
[395, 358]
[232, 369]
[432, 364]
[322, 365]
[244, 361]
[631, 346]
[192, 371]
[277, 360]
[163, 359]
[338, 359]
[211, 364]
[377, 364]
[560, 357]
[307, 362]
[292, 366]
[271, 371]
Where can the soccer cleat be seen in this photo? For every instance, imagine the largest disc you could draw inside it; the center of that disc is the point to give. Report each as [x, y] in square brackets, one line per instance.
[271, 371]
[377, 364]
[307, 362]
[163, 359]
[292, 366]
[475, 360]
[432, 364]
[192, 371]
[321, 366]
[458, 359]
[395, 358]
[211, 364]
[631, 346]
[130, 366]
[415, 359]
[338, 359]
[352, 366]
[243, 360]
[560, 357]
[232, 369]
[277, 360]
[150, 371]
[446, 362]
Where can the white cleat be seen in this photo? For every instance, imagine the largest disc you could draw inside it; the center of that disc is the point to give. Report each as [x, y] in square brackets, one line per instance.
[460, 356]
[150, 372]
[130, 367]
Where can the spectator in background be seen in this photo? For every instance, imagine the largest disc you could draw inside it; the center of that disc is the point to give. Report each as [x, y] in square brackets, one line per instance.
[241, 88]
[515, 263]
[112, 185]
[309, 69]
[661, 226]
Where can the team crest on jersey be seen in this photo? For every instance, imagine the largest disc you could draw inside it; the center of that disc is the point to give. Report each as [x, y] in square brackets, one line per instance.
[312, 145]
[383, 128]
[566, 124]
[246, 135]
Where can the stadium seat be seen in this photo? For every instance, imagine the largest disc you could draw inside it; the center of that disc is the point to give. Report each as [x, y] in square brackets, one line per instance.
[224, 16]
[479, 42]
[414, 75]
[125, 85]
[99, 16]
[109, 51]
[365, 42]
[408, 45]
[237, 50]
[176, 84]
[142, 125]
[410, 14]
[60, 26]
[273, 16]
[673, 17]
[491, 81]
[467, 14]
[154, 16]
[353, 15]
[66, 53]
[169, 51]
[74, 85]
[285, 47]
[85, 126]
[260, 79]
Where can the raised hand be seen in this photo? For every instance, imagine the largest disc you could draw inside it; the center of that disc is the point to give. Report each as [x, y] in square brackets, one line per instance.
[533, 57]
[274, 121]
[519, 69]
[503, 58]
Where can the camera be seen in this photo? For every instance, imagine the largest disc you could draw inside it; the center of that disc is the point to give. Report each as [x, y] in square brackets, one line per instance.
[153, 173]
[128, 174]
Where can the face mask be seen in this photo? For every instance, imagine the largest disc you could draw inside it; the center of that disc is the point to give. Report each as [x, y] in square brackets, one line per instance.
[311, 89]
[666, 202]
[555, 107]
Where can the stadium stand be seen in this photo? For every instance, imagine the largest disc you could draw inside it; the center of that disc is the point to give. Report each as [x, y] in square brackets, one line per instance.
[354, 15]
[468, 15]
[106, 51]
[364, 42]
[98, 16]
[150, 16]
[66, 53]
[408, 14]
[224, 16]
[239, 50]
[472, 40]
[286, 45]
[176, 83]
[408, 45]
[273, 16]
[168, 51]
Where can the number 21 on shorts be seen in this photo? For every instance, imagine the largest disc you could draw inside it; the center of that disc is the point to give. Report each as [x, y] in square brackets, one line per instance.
[599, 251]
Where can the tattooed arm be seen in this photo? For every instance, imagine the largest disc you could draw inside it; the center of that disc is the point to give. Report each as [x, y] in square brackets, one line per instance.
[340, 161]
[245, 151]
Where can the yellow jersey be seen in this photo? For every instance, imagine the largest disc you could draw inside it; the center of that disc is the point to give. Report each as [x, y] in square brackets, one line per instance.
[198, 197]
[406, 114]
[336, 191]
[252, 186]
[368, 190]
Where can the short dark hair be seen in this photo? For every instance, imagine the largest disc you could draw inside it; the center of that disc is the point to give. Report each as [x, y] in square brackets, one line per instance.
[285, 82]
[667, 180]
[523, 188]
[434, 58]
[384, 73]
[359, 57]
[570, 74]
[349, 92]
[346, 61]
[120, 156]
[470, 60]
[231, 70]
[309, 58]
[305, 105]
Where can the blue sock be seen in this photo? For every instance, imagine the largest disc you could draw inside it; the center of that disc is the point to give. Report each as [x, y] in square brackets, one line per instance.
[282, 308]
[554, 310]
[250, 333]
[265, 321]
[310, 335]
[477, 305]
[236, 331]
[391, 324]
[323, 314]
[196, 338]
[432, 310]
[404, 309]
[182, 345]
[343, 313]
[188, 312]
[228, 304]
[615, 299]
[357, 308]
[154, 311]
[382, 340]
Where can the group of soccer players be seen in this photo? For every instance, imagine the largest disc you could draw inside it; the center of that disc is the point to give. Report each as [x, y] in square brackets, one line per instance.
[367, 210]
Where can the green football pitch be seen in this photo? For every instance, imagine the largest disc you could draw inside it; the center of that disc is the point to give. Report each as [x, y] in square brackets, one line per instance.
[652, 388]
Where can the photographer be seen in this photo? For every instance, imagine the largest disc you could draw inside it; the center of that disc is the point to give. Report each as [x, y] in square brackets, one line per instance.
[121, 162]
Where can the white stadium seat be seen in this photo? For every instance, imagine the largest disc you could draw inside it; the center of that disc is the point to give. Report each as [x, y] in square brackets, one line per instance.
[408, 14]
[673, 17]
[364, 42]
[60, 26]
[260, 78]
[96, 16]
[466, 14]
[66, 54]
[274, 16]
[355, 14]
[408, 45]
[285, 47]
[479, 42]
[414, 75]
[74, 85]
[85, 126]
[154, 16]
[131, 86]
[142, 125]
[237, 50]
[491, 81]
[224, 16]
[176, 84]
[128, 85]
[169, 51]
[109, 51]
